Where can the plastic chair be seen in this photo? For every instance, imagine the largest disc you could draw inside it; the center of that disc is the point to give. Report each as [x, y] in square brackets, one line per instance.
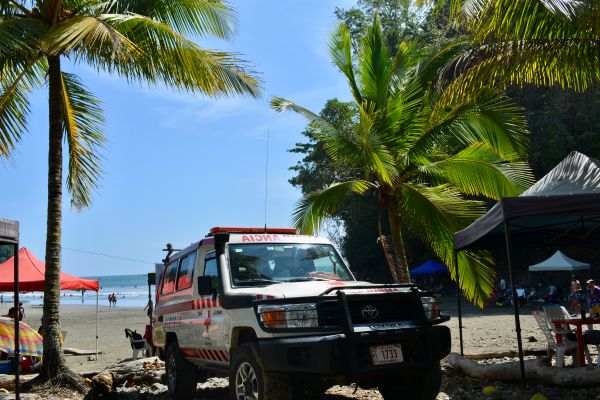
[137, 342]
[559, 348]
[559, 312]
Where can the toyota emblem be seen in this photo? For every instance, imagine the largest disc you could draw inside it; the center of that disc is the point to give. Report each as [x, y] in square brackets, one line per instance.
[370, 312]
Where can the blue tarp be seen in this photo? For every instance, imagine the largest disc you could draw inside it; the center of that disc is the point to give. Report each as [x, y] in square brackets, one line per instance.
[429, 267]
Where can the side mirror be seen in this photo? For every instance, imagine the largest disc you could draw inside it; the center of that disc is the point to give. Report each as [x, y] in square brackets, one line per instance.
[205, 285]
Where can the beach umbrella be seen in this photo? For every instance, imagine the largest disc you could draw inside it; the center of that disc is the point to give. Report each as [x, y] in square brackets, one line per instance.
[30, 342]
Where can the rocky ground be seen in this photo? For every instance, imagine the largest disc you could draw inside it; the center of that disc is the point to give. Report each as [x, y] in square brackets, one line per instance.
[455, 386]
[144, 380]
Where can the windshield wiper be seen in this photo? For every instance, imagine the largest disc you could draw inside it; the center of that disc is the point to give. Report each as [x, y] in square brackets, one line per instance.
[308, 278]
[257, 281]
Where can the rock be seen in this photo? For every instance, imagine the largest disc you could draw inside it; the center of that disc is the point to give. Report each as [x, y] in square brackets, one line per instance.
[158, 388]
[488, 390]
[538, 396]
[101, 387]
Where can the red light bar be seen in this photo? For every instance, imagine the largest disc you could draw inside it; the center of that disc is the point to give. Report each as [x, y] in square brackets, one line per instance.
[282, 231]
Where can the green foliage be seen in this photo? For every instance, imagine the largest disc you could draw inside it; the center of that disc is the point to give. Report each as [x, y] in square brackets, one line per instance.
[549, 42]
[418, 157]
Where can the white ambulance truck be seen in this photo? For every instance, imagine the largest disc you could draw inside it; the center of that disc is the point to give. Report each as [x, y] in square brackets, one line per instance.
[282, 316]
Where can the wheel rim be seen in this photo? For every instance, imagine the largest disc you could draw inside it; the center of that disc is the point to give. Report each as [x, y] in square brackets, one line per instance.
[171, 374]
[246, 382]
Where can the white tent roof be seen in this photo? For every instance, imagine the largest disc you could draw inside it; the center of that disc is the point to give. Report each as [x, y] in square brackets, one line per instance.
[576, 174]
[559, 262]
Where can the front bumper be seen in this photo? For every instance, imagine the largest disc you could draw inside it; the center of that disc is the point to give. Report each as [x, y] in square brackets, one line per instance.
[348, 354]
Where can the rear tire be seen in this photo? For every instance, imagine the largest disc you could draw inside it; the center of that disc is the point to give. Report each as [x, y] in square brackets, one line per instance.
[424, 387]
[249, 381]
[181, 374]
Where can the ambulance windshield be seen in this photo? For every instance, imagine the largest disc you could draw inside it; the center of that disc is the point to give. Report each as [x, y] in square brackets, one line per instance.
[269, 263]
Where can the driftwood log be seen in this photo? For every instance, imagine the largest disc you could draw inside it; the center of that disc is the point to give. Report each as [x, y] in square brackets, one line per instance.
[502, 354]
[79, 352]
[535, 370]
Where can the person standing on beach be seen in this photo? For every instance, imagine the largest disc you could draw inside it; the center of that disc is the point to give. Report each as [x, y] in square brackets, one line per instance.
[593, 298]
[114, 296]
[110, 300]
[575, 294]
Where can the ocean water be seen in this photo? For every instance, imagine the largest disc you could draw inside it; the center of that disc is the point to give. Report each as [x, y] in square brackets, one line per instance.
[131, 291]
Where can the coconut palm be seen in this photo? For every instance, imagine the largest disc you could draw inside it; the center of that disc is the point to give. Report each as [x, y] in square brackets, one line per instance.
[141, 41]
[427, 163]
[541, 42]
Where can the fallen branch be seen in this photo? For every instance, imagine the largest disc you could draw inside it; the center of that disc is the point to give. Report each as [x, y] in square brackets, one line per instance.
[511, 353]
[537, 369]
[78, 352]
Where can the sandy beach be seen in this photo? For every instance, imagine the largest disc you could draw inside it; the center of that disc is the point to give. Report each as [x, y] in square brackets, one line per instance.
[489, 330]
[485, 331]
[79, 321]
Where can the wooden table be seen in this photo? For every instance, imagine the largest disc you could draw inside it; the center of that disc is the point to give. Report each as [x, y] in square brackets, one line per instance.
[578, 323]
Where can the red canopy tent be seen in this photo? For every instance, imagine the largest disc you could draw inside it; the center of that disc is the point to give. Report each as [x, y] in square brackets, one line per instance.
[31, 275]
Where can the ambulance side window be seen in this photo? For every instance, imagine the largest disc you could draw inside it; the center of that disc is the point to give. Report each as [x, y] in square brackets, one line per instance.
[210, 269]
[186, 271]
[169, 279]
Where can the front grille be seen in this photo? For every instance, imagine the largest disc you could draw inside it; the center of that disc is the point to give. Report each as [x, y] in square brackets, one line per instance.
[389, 309]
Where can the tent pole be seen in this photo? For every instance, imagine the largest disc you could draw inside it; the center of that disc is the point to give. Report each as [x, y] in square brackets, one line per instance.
[458, 302]
[97, 324]
[17, 315]
[515, 299]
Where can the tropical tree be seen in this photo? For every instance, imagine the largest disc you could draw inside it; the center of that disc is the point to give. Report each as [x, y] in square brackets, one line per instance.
[540, 42]
[425, 162]
[144, 41]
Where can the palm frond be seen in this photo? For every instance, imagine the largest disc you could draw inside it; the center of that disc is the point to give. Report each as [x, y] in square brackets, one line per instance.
[569, 63]
[542, 42]
[313, 208]
[21, 38]
[188, 17]
[17, 80]
[478, 170]
[89, 34]
[476, 275]
[340, 49]
[373, 146]
[83, 122]
[489, 118]
[171, 59]
[374, 66]
[433, 214]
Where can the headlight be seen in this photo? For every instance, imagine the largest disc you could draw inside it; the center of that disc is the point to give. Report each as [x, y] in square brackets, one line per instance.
[289, 315]
[431, 307]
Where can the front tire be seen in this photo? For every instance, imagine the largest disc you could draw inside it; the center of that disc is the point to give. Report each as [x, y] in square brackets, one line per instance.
[249, 381]
[425, 387]
[181, 374]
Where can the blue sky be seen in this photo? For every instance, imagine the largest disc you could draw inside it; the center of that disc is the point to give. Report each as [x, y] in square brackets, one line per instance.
[176, 164]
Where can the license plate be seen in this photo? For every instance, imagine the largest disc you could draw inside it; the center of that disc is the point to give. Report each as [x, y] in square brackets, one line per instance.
[389, 354]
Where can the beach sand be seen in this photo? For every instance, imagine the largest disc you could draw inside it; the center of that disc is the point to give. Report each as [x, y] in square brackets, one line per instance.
[489, 330]
[79, 321]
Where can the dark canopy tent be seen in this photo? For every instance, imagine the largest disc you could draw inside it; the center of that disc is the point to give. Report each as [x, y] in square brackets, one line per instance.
[562, 208]
[9, 235]
[429, 267]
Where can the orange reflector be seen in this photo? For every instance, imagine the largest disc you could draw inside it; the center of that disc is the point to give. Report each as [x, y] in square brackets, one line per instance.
[273, 319]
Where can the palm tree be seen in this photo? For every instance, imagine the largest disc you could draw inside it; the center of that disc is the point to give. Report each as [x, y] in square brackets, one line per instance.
[540, 42]
[141, 41]
[426, 163]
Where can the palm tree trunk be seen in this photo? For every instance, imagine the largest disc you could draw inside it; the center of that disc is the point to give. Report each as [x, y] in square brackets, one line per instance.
[401, 275]
[54, 360]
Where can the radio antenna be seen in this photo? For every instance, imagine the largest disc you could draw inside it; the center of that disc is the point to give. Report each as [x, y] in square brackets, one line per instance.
[267, 177]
